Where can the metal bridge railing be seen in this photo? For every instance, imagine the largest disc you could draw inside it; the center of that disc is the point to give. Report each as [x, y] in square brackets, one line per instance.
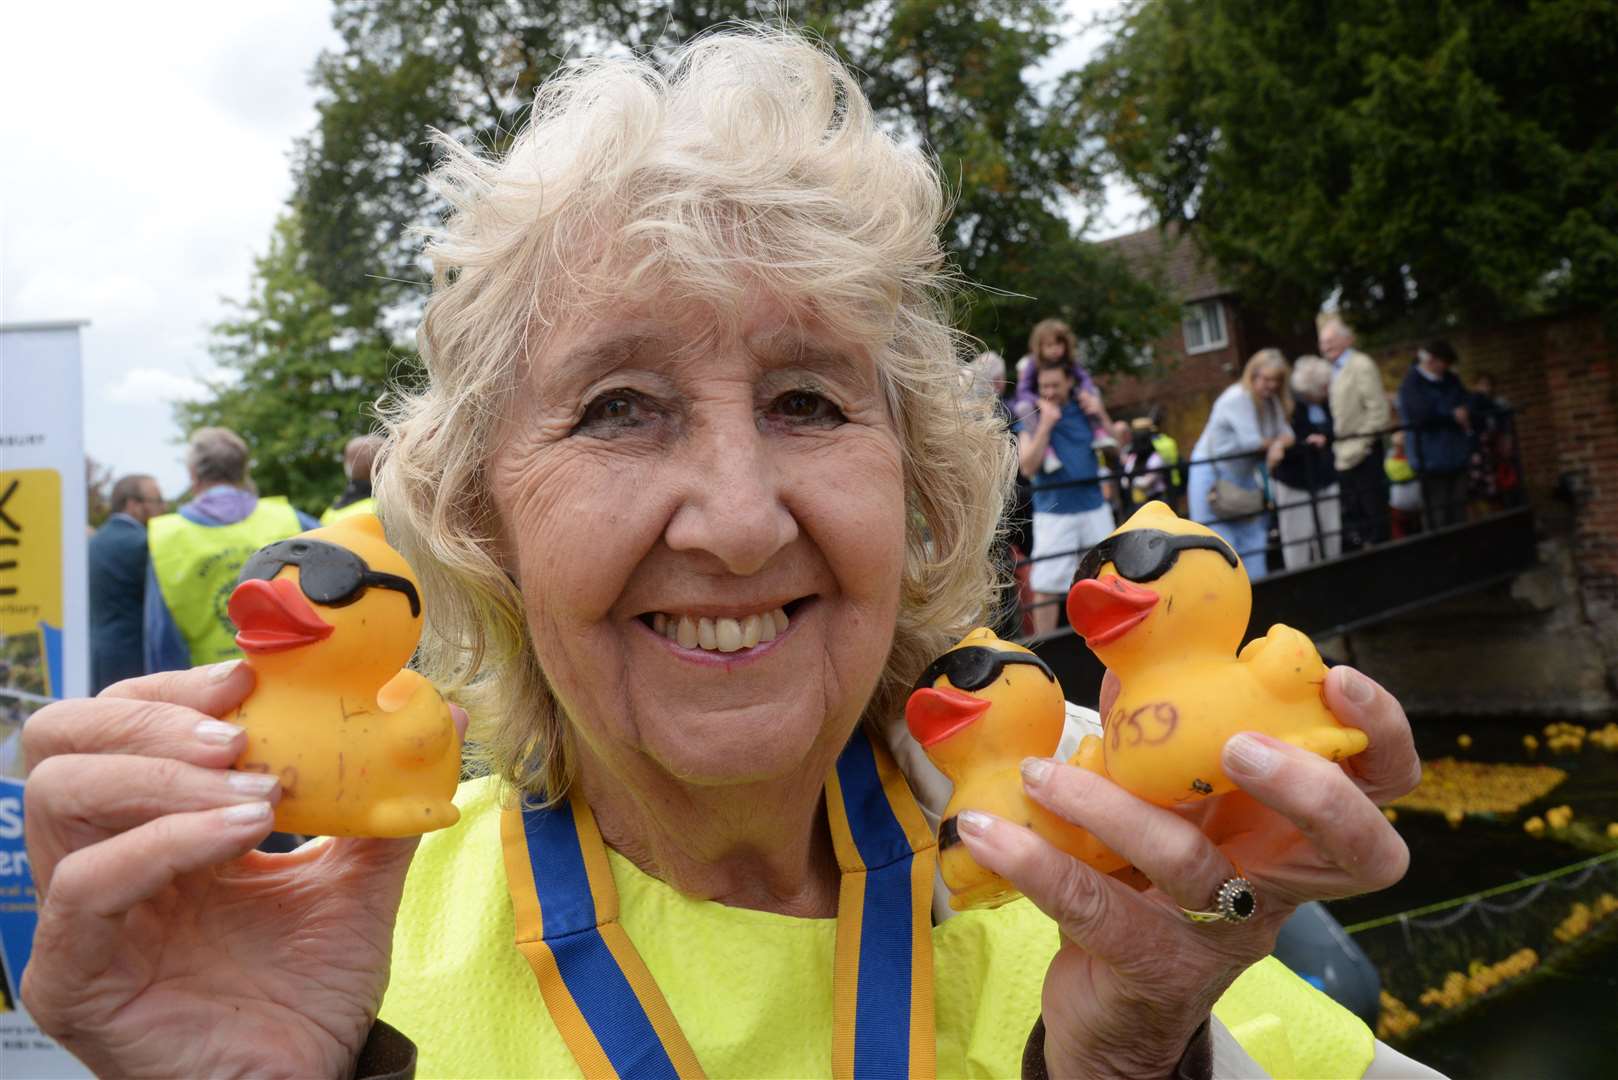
[1491, 483]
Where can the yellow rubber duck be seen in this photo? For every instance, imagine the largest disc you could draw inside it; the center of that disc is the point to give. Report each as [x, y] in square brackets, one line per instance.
[977, 711]
[328, 619]
[1164, 602]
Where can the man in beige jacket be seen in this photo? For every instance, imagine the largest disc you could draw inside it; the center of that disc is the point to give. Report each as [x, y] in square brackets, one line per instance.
[1359, 407]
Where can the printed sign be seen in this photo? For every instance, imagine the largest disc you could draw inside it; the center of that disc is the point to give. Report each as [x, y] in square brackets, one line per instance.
[44, 628]
[23, 1050]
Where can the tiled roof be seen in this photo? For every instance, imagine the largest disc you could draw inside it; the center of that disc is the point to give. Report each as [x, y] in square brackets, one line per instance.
[1190, 274]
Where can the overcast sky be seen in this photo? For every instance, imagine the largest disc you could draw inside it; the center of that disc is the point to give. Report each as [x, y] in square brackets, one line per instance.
[145, 158]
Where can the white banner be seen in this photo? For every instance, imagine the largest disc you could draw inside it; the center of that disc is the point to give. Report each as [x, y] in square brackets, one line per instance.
[44, 597]
[44, 623]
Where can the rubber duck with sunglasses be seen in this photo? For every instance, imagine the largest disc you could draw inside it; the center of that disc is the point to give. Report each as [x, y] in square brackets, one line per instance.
[1163, 603]
[364, 747]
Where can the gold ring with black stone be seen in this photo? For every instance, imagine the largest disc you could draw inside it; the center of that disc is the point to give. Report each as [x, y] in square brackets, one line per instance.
[1235, 902]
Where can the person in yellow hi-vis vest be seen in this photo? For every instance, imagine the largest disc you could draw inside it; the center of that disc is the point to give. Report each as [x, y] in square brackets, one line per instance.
[197, 551]
[359, 458]
[692, 498]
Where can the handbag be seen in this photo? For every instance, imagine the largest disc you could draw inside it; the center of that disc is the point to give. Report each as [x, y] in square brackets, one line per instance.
[1228, 500]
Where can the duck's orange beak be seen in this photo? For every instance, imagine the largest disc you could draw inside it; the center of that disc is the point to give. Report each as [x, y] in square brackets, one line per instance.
[933, 714]
[1104, 609]
[273, 616]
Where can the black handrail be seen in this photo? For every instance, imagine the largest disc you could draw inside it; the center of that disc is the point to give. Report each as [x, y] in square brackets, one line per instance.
[1315, 500]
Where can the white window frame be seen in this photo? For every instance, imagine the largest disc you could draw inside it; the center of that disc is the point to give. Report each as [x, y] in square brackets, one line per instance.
[1205, 320]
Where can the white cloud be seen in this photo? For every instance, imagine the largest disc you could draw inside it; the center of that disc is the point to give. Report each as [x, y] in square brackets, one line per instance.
[154, 386]
[146, 159]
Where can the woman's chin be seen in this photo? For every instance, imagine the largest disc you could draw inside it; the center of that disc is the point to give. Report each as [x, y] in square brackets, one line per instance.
[748, 746]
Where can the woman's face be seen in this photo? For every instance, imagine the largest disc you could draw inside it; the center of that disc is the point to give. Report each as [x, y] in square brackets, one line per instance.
[708, 532]
[1267, 383]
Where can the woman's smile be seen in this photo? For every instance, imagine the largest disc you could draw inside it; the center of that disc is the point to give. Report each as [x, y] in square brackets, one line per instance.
[726, 641]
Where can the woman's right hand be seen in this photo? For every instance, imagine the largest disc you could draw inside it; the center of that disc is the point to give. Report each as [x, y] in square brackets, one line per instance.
[166, 944]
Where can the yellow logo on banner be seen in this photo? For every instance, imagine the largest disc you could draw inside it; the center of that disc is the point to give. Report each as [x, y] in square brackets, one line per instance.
[30, 571]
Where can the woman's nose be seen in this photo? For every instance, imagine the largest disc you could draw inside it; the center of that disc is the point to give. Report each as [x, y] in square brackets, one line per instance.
[733, 505]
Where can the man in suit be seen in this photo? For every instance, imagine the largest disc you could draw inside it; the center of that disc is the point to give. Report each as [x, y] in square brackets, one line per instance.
[118, 559]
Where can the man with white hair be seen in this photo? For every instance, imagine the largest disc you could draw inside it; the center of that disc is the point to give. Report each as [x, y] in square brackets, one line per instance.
[1359, 412]
[197, 553]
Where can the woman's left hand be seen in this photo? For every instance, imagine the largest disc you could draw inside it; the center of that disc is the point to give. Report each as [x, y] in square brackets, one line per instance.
[1135, 978]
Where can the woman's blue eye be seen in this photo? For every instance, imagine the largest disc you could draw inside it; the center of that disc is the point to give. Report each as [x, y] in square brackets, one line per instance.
[806, 406]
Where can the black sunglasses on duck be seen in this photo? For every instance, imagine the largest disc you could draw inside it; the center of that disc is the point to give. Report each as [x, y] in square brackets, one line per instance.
[976, 666]
[328, 574]
[1146, 554]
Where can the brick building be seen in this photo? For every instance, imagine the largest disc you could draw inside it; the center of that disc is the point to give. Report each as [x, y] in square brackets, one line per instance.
[1186, 369]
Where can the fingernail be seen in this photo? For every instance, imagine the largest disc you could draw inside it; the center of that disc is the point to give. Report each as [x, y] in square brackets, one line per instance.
[221, 671]
[974, 822]
[216, 732]
[1355, 687]
[1036, 770]
[1250, 755]
[247, 812]
[252, 783]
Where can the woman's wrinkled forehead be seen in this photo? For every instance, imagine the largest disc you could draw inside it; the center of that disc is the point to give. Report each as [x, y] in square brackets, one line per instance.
[661, 329]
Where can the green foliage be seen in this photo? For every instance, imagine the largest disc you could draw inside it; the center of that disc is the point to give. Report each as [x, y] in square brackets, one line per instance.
[954, 75]
[1433, 162]
[299, 379]
[951, 74]
[97, 491]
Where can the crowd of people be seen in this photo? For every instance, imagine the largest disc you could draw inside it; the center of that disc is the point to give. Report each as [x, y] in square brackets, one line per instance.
[159, 582]
[1297, 462]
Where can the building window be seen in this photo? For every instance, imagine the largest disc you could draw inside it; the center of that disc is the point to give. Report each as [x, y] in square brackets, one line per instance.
[1204, 326]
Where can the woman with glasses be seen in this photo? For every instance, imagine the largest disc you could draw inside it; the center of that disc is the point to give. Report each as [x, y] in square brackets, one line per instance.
[693, 500]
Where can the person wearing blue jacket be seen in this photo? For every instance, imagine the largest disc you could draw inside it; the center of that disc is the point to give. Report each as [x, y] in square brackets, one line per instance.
[1432, 402]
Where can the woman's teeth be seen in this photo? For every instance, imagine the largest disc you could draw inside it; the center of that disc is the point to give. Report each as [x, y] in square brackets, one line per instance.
[720, 635]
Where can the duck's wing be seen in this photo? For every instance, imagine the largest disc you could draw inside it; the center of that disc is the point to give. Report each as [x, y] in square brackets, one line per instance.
[1286, 663]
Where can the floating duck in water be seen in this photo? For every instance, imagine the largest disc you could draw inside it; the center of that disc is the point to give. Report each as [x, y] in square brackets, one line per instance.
[977, 711]
[1164, 602]
[328, 619]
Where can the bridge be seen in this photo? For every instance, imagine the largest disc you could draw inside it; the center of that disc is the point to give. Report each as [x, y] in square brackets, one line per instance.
[1353, 591]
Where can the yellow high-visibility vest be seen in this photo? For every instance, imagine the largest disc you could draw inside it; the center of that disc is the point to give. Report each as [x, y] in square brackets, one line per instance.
[1169, 451]
[196, 568]
[753, 990]
[333, 514]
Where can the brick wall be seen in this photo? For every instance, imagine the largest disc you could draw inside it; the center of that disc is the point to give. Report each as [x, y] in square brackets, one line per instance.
[1560, 375]
[1179, 387]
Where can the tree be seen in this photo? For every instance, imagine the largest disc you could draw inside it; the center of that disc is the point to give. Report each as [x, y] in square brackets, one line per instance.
[1430, 163]
[299, 378]
[952, 74]
[97, 491]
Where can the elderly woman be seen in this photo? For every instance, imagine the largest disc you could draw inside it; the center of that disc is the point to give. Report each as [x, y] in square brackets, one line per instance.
[1307, 502]
[693, 504]
[1248, 428]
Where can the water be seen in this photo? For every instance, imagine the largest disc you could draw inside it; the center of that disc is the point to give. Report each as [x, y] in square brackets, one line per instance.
[1560, 1021]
